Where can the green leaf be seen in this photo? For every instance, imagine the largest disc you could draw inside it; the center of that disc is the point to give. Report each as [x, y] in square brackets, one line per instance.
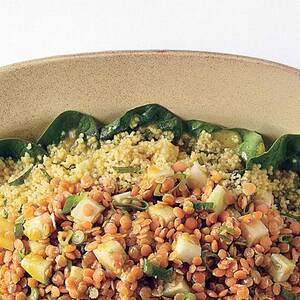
[67, 121]
[16, 148]
[195, 127]
[283, 154]
[246, 143]
[142, 116]
[252, 144]
[71, 202]
[157, 272]
[287, 295]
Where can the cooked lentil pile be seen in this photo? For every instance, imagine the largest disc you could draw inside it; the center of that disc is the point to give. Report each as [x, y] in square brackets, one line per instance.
[139, 211]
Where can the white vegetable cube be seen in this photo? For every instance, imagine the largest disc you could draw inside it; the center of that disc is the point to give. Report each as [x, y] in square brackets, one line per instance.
[264, 197]
[217, 197]
[87, 210]
[111, 256]
[167, 150]
[122, 196]
[154, 172]
[163, 211]
[186, 248]
[281, 267]
[76, 272]
[178, 286]
[39, 228]
[36, 247]
[254, 231]
[37, 267]
[196, 176]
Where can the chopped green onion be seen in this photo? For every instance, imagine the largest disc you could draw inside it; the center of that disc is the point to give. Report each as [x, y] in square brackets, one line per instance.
[122, 170]
[19, 227]
[157, 192]
[189, 296]
[69, 264]
[287, 295]
[246, 209]
[291, 216]
[206, 256]
[64, 242]
[21, 254]
[203, 205]
[226, 229]
[285, 238]
[71, 202]
[5, 213]
[78, 237]
[34, 294]
[130, 204]
[225, 238]
[46, 174]
[157, 272]
[105, 223]
[20, 209]
[182, 181]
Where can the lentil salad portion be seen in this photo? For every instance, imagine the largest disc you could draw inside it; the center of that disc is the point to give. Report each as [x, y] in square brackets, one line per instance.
[149, 207]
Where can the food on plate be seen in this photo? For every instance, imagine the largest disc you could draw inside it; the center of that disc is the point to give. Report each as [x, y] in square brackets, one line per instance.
[150, 206]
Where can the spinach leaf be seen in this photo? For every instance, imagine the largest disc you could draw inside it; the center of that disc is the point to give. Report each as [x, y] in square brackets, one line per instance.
[16, 148]
[195, 127]
[157, 272]
[246, 143]
[283, 154]
[252, 144]
[67, 121]
[141, 116]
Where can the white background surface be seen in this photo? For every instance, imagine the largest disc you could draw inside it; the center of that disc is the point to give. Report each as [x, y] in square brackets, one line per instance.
[38, 28]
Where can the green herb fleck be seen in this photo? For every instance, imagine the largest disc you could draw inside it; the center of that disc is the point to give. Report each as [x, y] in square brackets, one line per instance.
[157, 272]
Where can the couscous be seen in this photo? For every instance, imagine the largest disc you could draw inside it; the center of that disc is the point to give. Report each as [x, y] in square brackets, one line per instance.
[149, 207]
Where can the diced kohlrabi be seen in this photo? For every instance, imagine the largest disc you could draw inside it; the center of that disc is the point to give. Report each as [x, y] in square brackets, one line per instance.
[217, 197]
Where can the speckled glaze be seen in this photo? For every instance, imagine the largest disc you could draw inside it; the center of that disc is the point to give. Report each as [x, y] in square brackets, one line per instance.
[226, 89]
